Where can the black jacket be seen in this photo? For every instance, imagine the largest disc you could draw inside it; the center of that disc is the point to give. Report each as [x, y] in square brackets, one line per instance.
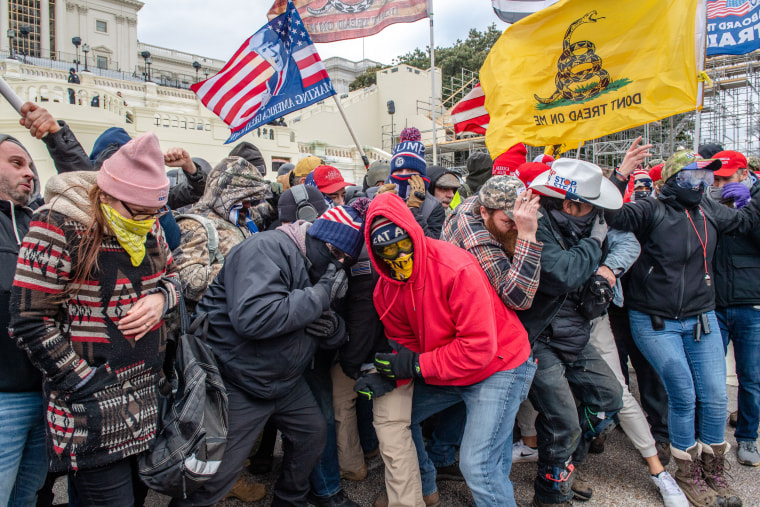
[258, 307]
[737, 266]
[17, 374]
[669, 278]
[564, 271]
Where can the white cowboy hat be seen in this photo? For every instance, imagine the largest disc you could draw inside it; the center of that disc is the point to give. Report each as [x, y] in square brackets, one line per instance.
[576, 180]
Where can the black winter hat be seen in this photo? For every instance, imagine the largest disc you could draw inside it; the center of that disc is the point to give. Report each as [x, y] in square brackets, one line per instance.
[479, 166]
[287, 208]
[252, 154]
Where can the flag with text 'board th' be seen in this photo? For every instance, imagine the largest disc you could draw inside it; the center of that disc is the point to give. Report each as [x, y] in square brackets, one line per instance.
[733, 27]
[511, 11]
[275, 72]
[581, 69]
[469, 114]
[334, 20]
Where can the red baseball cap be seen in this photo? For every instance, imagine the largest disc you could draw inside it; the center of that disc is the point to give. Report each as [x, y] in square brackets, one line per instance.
[329, 180]
[528, 171]
[656, 172]
[731, 162]
[506, 163]
[544, 159]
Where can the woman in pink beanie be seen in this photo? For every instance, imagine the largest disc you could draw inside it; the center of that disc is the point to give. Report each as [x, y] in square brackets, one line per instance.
[91, 289]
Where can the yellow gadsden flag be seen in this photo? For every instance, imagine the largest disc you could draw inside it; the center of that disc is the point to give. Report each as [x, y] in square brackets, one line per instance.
[581, 69]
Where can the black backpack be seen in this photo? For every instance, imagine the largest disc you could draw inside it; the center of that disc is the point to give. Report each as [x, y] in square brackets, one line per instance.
[192, 435]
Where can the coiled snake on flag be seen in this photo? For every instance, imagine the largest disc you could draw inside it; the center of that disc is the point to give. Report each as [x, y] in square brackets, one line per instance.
[575, 55]
[339, 6]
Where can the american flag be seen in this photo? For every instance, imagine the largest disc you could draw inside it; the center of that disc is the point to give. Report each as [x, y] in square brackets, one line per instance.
[470, 115]
[236, 93]
[511, 11]
[723, 8]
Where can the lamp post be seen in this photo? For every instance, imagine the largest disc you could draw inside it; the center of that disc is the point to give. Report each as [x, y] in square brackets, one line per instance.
[197, 67]
[85, 49]
[77, 41]
[146, 57]
[391, 111]
[205, 71]
[25, 31]
[11, 33]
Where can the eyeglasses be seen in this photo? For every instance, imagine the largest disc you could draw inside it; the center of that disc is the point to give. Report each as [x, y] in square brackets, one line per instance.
[340, 256]
[693, 178]
[142, 215]
[394, 250]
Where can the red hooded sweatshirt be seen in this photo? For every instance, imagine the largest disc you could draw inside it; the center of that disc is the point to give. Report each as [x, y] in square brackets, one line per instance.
[447, 311]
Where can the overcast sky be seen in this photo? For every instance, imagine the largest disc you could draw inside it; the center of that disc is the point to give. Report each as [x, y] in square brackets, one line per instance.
[218, 29]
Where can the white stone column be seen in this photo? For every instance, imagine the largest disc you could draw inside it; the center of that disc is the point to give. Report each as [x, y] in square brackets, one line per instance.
[4, 25]
[44, 28]
[61, 30]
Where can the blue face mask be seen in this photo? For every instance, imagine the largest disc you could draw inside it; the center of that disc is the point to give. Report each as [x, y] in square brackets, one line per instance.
[694, 178]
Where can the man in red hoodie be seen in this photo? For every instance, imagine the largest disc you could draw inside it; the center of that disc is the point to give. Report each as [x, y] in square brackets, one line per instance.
[450, 329]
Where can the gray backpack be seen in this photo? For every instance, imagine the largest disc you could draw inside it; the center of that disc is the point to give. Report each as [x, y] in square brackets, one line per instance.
[213, 236]
[192, 415]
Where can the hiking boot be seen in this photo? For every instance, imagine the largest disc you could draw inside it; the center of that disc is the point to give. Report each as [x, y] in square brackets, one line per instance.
[671, 494]
[432, 500]
[449, 473]
[522, 453]
[690, 477]
[733, 418]
[716, 472]
[247, 490]
[538, 503]
[354, 475]
[663, 452]
[582, 489]
[747, 453]
[597, 445]
[339, 499]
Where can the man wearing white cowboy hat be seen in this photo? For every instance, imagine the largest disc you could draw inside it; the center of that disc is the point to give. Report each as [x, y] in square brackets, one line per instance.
[574, 237]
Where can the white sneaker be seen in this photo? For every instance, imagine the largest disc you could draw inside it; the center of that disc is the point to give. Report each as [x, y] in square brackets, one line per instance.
[671, 493]
[521, 453]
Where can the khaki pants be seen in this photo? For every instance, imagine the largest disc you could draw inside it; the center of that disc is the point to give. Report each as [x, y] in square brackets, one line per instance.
[350, 454]
[392, 414]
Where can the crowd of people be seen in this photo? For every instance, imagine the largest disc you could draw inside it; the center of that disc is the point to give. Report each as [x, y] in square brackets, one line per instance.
[451, 321]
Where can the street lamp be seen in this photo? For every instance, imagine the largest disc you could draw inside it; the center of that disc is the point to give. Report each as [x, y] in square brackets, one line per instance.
[148, 60]
[11, 33]
[85, 49]
[197, 67]
[205, 71]
[77, 41]
[24, 30]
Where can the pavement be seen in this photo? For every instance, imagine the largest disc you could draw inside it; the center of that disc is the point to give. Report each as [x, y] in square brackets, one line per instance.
[619, 477]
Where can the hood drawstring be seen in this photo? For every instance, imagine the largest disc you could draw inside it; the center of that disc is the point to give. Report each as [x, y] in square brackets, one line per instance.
[13, 219]
[395, 296]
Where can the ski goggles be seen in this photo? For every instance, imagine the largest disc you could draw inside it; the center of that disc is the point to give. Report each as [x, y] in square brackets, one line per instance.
[693, 178]
[393, 250]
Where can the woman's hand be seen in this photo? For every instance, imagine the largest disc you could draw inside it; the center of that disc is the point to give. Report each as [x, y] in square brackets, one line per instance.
[144, 315]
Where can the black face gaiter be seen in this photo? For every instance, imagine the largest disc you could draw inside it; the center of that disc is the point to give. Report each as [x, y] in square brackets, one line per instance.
[320, 257]
[685, 198]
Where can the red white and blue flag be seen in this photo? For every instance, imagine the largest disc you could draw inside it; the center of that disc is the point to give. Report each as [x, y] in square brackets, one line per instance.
[275, 72]
[511, 11]
[469, 114]
[732, 27]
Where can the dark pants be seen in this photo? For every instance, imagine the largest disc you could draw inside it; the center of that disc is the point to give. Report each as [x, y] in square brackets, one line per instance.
[297, 416]
[556, 386]
[367, 435]
[654, 399]
[114, 484]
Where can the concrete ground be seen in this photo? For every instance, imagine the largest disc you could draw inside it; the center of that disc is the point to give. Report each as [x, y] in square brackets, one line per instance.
[619, 476]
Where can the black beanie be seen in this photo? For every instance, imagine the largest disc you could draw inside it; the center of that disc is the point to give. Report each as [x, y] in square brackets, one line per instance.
[287, 209]
[252, 154]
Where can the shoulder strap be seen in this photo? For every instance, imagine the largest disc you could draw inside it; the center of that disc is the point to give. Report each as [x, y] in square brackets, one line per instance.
[657, 217]
[211, 232]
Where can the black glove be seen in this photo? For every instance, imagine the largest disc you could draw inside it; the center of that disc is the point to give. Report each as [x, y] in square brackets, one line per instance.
[334, 282]
[403, 364]
[325, 326]
[373, 385]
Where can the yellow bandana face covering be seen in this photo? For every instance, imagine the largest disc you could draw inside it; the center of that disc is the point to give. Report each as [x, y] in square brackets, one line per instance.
[131, 234]
[401, 266]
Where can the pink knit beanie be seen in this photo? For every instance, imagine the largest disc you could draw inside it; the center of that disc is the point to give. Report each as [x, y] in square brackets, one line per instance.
[135, 174]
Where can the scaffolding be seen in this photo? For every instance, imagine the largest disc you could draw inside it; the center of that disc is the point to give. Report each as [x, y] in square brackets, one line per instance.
[730, 117]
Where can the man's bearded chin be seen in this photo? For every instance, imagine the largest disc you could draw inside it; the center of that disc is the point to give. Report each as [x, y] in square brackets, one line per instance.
[507, 239]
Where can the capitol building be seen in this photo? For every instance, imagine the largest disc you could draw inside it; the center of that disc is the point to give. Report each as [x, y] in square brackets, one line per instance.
[145, 88]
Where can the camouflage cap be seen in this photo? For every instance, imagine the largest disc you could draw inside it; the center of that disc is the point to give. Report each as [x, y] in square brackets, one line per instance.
[687, 159]
[753, 163]
[501, 192]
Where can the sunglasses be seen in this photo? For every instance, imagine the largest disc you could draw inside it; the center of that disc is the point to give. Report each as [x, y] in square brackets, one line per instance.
[394, 250]
[693, 178]
[142, 215]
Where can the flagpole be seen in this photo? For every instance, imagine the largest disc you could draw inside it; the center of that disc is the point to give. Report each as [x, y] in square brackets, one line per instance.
[702, 54]
[365, 160]
[432, 81]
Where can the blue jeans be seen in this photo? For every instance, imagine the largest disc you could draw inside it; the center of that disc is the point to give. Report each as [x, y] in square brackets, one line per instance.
[23, 457]
[447, 435]
[741, 324]
[485, 456]
[692, 371]
[325, 478]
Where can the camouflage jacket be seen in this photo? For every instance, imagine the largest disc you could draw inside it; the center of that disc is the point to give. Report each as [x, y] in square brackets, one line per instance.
[232, 181]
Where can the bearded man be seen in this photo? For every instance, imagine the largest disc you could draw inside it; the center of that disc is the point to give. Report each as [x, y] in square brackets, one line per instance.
[498, 226]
